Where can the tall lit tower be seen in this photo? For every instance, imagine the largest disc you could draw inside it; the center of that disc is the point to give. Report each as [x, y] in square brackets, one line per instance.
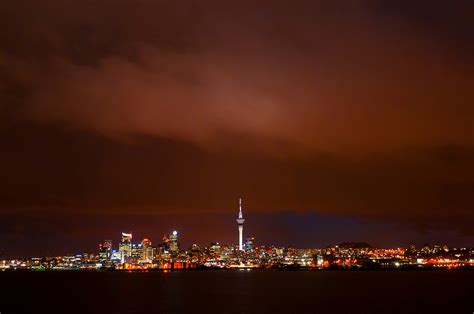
[240, 222]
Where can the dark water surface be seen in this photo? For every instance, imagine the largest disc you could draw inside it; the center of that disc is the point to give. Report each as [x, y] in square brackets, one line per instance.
[238, 292]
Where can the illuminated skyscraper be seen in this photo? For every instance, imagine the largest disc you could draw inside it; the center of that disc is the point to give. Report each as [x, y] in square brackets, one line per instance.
[136, 254]
[105, 250]
[125, 247]
[249, 244]
[173, 242]
[126, 237]
[240, 222]
[147, 251]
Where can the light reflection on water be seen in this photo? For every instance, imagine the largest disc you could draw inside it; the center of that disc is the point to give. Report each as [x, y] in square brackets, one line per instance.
[243, 291]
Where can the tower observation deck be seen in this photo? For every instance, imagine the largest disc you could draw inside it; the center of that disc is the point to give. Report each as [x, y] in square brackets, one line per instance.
[240, 222]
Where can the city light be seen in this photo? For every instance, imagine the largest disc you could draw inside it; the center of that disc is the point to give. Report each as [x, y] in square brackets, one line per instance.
[245, 255]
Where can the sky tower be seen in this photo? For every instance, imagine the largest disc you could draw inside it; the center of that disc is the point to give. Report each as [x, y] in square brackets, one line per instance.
[240, 222]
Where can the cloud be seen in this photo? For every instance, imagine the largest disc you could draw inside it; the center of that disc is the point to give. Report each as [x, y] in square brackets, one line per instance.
[180, 106]
[320, 77]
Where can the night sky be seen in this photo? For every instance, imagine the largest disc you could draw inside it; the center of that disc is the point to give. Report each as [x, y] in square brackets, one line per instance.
[334, 120]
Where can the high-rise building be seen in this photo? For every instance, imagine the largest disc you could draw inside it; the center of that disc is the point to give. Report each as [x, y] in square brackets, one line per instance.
[240, 222]
[125, 247]
[170, 243]
[105, 250]
[136, 254]
[165, 244]
[249, 244]
[147, 251]
[173, 242]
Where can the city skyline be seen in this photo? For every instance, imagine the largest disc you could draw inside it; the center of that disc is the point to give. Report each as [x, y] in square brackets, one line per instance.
[167, 254]
[245, 253]
[239, 240]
